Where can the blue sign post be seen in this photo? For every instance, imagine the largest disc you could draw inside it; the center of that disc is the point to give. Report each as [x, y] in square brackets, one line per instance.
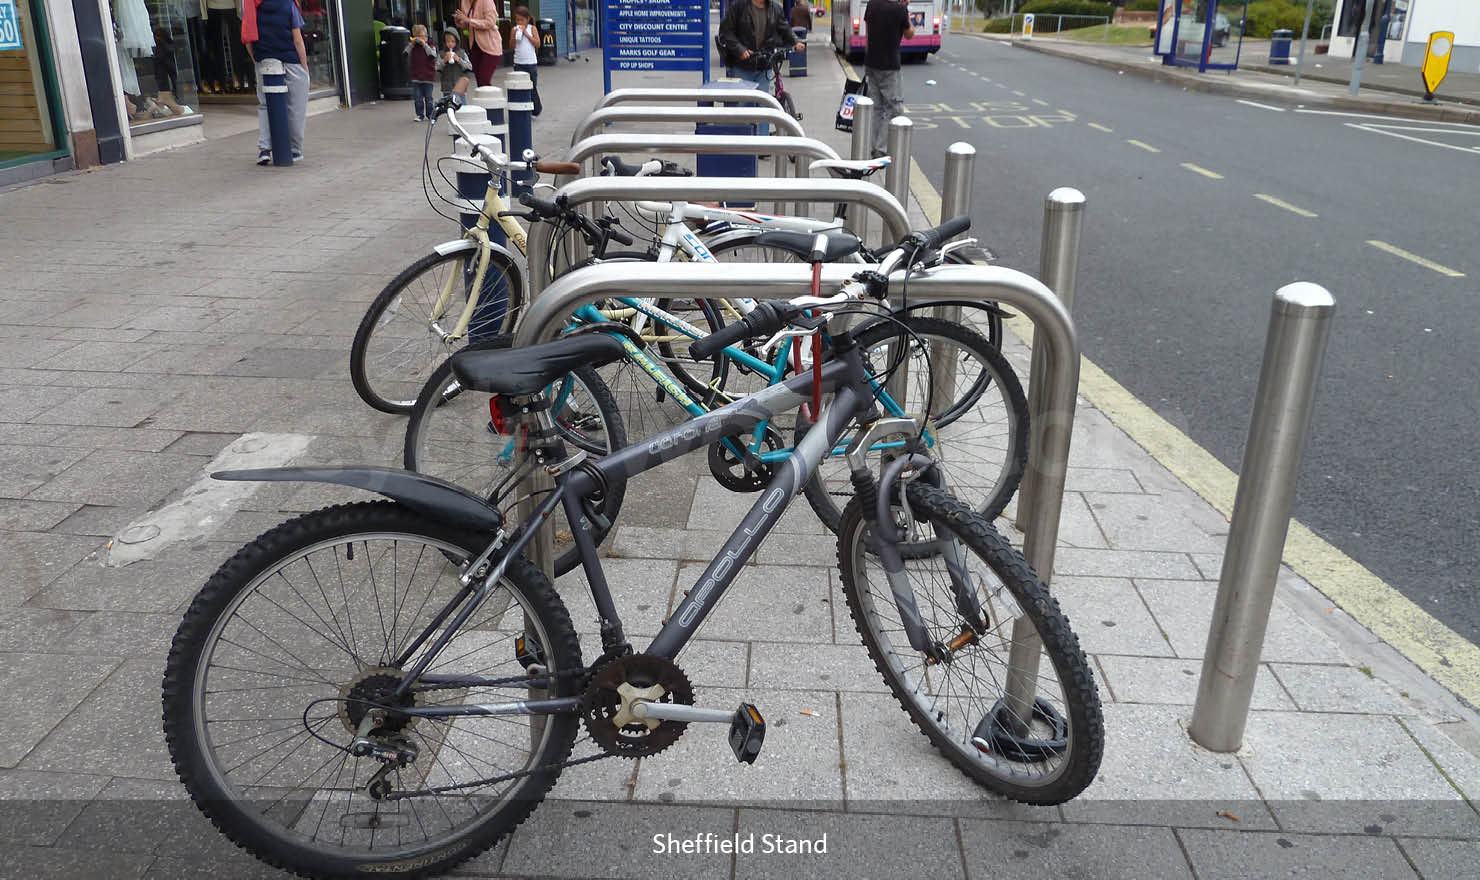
[655, 35]
[10, 26]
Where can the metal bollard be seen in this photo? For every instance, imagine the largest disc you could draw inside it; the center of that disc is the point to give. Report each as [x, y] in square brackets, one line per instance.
[521, 127]
[275, 97]
[1299, 325]
[472, 185]
[863, 137]
[897, 182]
[1357, 64]
[955, 200]
[495, 106]
[1058, 269]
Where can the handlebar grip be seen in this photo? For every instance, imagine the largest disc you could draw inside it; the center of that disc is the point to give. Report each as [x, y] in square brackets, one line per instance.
[703, 349]
[932, 238]
[544, 208]
[549, 167]
[618, 235]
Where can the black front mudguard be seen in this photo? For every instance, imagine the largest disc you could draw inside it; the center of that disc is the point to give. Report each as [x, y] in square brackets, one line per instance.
[429, 496]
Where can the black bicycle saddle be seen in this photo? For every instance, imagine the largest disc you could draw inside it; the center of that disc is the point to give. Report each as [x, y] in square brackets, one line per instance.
[839, 243]
[528, 370]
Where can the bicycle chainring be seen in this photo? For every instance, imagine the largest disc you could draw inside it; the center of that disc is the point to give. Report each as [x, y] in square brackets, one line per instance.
[738, 475]
[608, 697]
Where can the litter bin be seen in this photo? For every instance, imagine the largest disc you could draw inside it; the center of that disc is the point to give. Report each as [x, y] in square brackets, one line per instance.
[1279, 46]
[548, 52]
[797, 61]
[395, 64]
[726, 165]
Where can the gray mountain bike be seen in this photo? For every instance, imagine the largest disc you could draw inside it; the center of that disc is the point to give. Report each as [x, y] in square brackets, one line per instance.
[391, 687]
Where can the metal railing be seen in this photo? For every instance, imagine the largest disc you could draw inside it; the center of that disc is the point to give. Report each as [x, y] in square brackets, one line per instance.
[688, 96]
[703, 189]
[596, 119]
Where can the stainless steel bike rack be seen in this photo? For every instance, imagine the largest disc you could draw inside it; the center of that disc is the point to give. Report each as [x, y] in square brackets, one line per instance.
[955, 200]
[800, 148]
[1299, 324]
[688, 96]
[1048, 454]
[701, 189]
[695, 115]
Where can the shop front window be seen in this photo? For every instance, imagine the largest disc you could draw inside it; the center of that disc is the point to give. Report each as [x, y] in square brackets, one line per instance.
[316, 39]
[156, 58]
[29, 120]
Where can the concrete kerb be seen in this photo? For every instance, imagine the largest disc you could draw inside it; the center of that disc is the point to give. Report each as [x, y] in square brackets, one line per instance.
[1226, 85]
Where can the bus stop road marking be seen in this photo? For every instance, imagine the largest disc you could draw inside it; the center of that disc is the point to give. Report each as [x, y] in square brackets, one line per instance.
[1098, 127]
[1280, 203]
[1040, 102]
[1198, 169]
[1020, 94]
[1259, 105]
[1143, 145]
[1384, 129]
[1415, 258]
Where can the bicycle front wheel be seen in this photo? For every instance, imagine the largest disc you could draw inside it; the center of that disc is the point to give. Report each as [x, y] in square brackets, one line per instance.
[403, 336]
[298, 642]
[1045, 752]
[978, 414]
[466, 438]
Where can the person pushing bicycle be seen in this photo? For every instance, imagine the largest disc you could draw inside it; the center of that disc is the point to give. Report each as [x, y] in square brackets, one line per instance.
[748, 27]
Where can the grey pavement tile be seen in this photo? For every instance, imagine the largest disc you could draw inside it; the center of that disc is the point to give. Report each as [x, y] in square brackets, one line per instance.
[289, 363]
[62, 379]
[641, 589]
[115, 731]
[1210, 564]
[1071, 852]
[46, 687]
[636, 541]
[119, 634]
[156, 817]
[716, 507]
[119, 478]
[130, 439]
[1154, 772]
[1440, 741]
[792, 666]
[658, 498]
[1106, 479]
[844, 845]
[890, 767]
[114, 407]
[1091, 562]
[1443, 858]
[28, 435]
[97, 312]
[1234, 854]
[34, 516]
[1168, 680]
[175, 318]
[100, 334]
[1338, 689]
[99, 356]
[237, 866]
[35, 808]
[23, 469]
[613, 840]
[216, 405]
[1149, 522]
[799, 762]
[1351, 774]
[47, 862]
[38, 629]
[199, 360]
[30, 352]
[710, 663]
[343, 414]
[19, 403]
[1077, 526]
[1185, 609]
[202, 443]
[777, 603]
[161, 584]
[783, 548]
[31, 561]
[1108, 616]
[97, 520]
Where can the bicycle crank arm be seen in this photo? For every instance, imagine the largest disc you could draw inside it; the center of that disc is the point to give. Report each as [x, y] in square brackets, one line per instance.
[747, 727]
[643, 709]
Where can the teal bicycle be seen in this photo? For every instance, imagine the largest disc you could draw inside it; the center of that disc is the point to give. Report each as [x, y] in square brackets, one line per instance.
[975, 413]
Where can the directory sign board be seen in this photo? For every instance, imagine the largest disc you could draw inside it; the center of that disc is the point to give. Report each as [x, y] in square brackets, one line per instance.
[655, 35]
[10, 26]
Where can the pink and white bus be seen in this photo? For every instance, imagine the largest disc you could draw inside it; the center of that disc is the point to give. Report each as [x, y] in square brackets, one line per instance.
[850, 34]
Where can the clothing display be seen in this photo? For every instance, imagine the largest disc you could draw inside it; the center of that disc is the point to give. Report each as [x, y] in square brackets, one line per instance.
[135, 33]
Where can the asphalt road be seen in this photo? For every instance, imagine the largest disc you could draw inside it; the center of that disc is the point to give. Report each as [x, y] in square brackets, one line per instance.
[1200, 207]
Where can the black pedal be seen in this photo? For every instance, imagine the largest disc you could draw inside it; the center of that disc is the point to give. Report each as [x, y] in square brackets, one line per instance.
[528, 651]
[747, 733]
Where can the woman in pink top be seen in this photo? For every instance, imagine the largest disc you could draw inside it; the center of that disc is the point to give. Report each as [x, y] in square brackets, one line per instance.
[486, 47]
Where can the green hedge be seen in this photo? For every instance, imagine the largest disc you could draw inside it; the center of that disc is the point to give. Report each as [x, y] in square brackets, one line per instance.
[1067, 7]
[1143, 5]
[1267, 16]
[997, 26]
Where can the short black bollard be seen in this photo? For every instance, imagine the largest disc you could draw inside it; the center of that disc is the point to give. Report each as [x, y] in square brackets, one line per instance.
[275, 95]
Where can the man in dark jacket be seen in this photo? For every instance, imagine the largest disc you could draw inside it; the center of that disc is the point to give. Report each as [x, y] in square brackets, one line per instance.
[888, 24]
[748, 27]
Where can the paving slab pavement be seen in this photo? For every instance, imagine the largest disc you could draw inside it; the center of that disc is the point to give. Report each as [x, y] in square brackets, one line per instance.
[214, 298]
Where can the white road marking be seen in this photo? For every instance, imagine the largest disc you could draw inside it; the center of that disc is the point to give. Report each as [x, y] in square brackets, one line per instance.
[1020, 94]
[1260, 106]
[1198, 169]
[1376, 129]
[1105, 128]
[1040, 101]
[1280, 203]
[206, 504]
[1143, 145]
[1388, 119]
[1415, 258]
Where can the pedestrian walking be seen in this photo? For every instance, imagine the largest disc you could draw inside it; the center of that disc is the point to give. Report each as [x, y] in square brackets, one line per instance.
[749, 26]
[801, 19]
[423, 71]
[888, 23]
[274, 29]
[526, 39]
[485, 46]
[453, 67]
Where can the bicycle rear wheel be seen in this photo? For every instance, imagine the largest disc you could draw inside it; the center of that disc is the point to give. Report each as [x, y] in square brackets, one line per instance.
[958, 697]
[467, 438]
[400, 341]
[294, 643]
